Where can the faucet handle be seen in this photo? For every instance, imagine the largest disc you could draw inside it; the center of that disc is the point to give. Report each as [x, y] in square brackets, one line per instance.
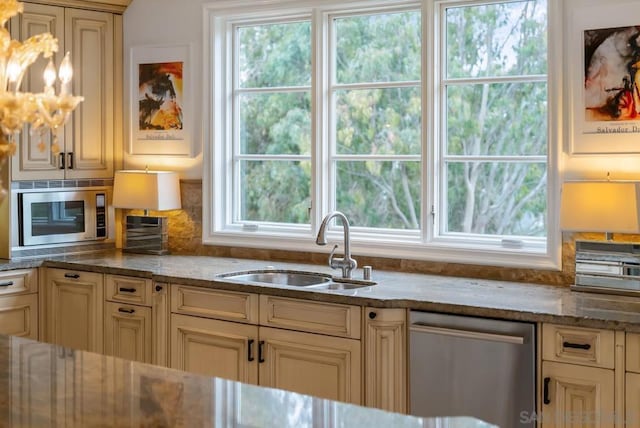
[332, 253]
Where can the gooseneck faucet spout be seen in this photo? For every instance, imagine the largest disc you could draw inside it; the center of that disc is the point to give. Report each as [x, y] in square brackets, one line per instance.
[346, 263]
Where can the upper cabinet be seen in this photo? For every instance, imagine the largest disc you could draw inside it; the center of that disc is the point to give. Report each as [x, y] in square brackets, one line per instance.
[86, 145]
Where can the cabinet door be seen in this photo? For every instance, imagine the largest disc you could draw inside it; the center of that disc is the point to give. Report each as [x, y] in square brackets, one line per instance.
[214, 348]
[632, 394]
[19, 315]
[74, 312]
[577, 396]
[35, 159]
[323, 366]
[90, 132]
[127, 331]
[385, 359]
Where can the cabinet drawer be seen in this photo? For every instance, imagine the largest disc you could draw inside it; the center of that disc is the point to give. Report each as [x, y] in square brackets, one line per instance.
[633, 352]
[19, 315]
[128, 289]
[315, 317]
[210, 303]
[576, 345]
[21, 281]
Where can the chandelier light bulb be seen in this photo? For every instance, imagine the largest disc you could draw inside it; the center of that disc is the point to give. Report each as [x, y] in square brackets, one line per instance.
[13, 71]
[66, 71]
[50, 74]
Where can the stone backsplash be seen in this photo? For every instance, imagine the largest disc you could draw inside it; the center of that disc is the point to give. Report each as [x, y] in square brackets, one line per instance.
[185, 237]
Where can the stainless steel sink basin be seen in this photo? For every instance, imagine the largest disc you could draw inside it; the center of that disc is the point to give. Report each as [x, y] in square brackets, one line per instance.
[291, 278]
[294, 278]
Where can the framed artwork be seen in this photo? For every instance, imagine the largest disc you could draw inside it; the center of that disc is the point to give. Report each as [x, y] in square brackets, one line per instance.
[604, 79]
[161, 100]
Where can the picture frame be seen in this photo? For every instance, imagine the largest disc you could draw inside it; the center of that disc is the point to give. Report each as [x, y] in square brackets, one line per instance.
[161, 100]
[602, 51]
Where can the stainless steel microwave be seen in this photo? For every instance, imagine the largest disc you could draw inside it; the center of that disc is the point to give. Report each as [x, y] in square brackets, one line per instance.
[55, 217]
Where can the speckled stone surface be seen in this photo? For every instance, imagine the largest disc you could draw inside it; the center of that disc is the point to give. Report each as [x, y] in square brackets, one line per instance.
[465, 296]
[46, 385]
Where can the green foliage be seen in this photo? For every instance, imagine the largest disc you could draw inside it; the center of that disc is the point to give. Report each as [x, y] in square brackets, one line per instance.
[492, 120]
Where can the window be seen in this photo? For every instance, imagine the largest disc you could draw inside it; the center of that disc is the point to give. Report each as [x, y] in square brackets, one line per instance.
[427, 124]
[272, 122]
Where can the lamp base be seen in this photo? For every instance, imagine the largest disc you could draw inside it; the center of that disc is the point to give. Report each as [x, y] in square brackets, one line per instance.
[146, 235]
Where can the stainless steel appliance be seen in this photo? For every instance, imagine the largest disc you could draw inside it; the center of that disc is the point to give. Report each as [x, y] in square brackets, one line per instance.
[466, 366]
[608, 267]
[53, 217]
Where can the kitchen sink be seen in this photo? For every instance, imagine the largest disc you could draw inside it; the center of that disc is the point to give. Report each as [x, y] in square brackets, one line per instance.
[295, 278]
[279, 277]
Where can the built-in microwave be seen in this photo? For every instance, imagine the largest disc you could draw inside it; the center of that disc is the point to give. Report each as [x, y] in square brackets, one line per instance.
[55, 217]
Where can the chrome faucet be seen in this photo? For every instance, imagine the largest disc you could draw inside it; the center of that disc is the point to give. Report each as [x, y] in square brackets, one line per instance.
[346, 263]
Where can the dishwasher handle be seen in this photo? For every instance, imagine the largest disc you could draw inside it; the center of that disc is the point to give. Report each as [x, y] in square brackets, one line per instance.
[467, 334]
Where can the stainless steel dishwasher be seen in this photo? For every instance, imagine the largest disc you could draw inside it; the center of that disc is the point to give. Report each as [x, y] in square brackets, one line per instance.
[467, 366]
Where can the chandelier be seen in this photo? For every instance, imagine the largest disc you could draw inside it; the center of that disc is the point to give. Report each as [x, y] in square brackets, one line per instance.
[45, 111]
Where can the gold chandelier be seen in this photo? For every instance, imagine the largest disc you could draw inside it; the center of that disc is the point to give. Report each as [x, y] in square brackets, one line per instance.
[45, 111]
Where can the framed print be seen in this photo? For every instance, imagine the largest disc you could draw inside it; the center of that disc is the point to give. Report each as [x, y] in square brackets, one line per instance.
[604, 78]
[161, 100]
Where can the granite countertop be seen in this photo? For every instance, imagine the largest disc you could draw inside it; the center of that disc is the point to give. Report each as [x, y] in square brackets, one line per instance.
[464, 296]
[48, 385]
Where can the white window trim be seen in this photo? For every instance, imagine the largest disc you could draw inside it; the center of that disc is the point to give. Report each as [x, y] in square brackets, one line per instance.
[404, 245]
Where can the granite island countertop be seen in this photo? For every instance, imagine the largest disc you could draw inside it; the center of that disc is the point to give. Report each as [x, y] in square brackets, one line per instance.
[464, 296]
[48, 385]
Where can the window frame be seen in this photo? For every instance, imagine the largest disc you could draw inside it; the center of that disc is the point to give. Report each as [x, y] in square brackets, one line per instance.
[424, 245]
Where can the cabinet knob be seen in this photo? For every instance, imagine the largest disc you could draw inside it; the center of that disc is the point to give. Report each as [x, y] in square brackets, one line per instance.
[372, 315]
[158, 287]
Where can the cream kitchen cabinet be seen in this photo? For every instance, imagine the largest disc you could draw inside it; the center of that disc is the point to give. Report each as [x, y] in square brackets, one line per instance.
[302, 346]
[385, 359]
[577, 396]
[214, 348]
[579, 377]
[314, 364]
[135, 319]
[632, 380]
[19, 303]
[86, 145]
[74, 309]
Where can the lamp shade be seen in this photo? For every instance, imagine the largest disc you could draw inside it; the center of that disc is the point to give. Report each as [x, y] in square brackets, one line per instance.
[600, 206]
[146, 190]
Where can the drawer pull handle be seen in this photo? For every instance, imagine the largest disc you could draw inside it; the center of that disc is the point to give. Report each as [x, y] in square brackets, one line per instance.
[126, 311]
[250, 350]
[127, 290]
[261, 351]
[545, 394]
[584, 346]
[6, 284]
[71, 275]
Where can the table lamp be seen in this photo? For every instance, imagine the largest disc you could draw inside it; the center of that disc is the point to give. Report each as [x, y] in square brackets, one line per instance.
[600, 206]
[146, 190]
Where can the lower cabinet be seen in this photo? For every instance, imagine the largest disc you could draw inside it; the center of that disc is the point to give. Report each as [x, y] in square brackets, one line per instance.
[632, 405]
[135, 323]
[577, 396]
[19, 303]
[385, 359]
[127, 331]
[74, 312]
[322, 365]
[214, 348]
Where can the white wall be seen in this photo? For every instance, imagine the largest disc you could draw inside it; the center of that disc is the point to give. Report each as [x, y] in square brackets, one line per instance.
[166, 22]
[157, 22]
